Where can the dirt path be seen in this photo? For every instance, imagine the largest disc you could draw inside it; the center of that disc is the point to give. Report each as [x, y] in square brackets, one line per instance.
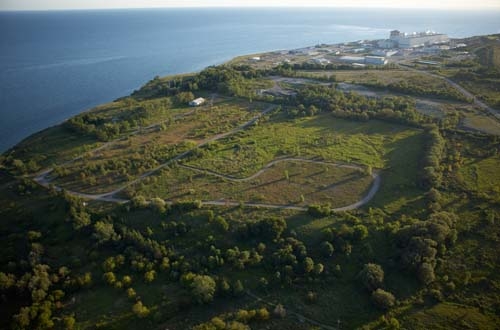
[42, 177]
[266, 167]
[43, 180]
[462, 90]
[371, 193]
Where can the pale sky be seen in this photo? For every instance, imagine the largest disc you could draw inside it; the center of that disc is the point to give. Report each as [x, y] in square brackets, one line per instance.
[106, 4]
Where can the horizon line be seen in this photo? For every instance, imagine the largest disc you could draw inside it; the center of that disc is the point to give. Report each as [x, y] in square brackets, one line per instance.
[255, 7]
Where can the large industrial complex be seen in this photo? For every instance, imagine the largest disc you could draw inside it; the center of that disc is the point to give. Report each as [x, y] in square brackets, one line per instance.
[399, 46]
[399, 39]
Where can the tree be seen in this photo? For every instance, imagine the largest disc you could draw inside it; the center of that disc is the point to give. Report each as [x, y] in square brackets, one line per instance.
[238, 288]
[131, 293]
[185, 97]
[308, 265]
[318, 268]
[434, 195]
[262, 314]
[280, 311]
[19, 165]
[104, 232]
[360, 232]
[80, 218]
[109, 277]
[22, 319]
[218, 323]
[221, 223]
[203, 288]
[140, 310]
[158, 205]
[372, 276]
[138, 201]
[126, 280]
[426, 273]
[327, 249]
[383, 299]
[149, 276]
[7, 281]
[69, 322]
[273, 227]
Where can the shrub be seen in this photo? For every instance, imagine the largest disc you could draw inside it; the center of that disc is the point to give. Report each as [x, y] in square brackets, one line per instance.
[383, 299]
[140, 310]
[372, 276]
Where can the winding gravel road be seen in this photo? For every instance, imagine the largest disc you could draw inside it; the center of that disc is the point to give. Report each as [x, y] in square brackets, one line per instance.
[42, 178]
[462, 90]
[371, 193]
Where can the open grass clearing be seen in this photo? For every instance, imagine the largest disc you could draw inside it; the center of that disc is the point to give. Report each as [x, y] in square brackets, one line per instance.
[481, 122]
[53, 145]
[371, 76]
[442, 315]
[394, 148]
[321, 137]
[290, 182]
[124, 160]
[482, 175]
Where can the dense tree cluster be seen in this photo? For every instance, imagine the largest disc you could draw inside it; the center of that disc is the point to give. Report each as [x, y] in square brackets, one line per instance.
[238, 320]
[268, 228]
[431, 163]
[312, 99]
[421, 242]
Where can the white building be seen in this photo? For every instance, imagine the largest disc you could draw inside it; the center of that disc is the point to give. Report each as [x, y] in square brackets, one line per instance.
[352, 59]
[375, 60]
[368, 60]
[197, 102]
[387, 43]
[412, 40]
[383, 53]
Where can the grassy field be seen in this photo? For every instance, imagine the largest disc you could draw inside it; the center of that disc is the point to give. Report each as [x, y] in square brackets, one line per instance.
[367, 76]
[482, 123]
[482, 176]
[52, 146]
[324, 137]
[306, 184]
[391, 147]
[441, 315]
[125, 159]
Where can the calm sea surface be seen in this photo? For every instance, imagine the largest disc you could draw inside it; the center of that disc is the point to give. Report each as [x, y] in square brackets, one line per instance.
[54, 65]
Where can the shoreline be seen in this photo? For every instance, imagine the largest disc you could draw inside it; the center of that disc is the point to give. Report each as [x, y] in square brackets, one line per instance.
[232, 61]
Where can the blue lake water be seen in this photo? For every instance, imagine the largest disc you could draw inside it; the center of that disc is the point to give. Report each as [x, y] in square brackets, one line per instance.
[56, 64]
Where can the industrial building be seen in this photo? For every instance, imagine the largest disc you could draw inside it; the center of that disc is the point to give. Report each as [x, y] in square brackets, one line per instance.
[368, 60]
[412, 40]
[375, 60]
[383, 53]
[352, 59]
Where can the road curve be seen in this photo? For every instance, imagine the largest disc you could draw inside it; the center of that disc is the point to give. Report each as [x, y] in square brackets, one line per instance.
[266, 167]
[371, 193]
[462, 90]
[43, 180]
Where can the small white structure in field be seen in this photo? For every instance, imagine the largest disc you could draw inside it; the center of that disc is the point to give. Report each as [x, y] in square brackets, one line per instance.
[255, 58]
[197, 102]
